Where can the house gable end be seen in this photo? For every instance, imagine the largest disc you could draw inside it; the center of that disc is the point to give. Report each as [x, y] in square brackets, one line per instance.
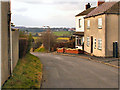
[114, 9]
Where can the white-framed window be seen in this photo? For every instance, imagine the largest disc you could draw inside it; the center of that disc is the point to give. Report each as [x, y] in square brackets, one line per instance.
[99, 44]
[95, 43]
[99, 23]
[88, 41]
[79, 23]
[88, 24]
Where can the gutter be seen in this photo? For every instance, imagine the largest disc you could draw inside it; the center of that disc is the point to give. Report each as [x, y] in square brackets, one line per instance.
[95, 15]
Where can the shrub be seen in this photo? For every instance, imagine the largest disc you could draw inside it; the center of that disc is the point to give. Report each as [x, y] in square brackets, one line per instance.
[25, 43]
[48, 40]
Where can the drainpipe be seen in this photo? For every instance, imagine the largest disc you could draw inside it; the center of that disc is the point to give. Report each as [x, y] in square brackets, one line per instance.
[105, 34]
[11, 48]
[0, 45]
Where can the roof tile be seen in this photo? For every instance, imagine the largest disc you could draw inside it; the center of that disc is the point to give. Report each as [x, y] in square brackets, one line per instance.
[101, 9]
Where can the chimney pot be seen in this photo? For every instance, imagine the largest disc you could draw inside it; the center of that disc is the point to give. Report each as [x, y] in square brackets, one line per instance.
[100, 2]
[88, 6]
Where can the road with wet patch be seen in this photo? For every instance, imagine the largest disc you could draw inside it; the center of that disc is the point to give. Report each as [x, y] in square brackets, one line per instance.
[74, 72]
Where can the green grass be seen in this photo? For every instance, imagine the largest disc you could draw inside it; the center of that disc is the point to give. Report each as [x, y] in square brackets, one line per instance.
[40, 50]
[27, 73]
[35, 38]
[62, 33]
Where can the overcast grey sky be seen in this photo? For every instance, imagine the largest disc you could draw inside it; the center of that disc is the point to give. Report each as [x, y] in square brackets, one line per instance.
[55, 13]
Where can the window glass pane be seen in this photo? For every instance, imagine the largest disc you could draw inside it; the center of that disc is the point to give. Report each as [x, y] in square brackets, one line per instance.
[88, 23]
[99, 44]
[79, 23]
[88, 41]
[95, 43]
[99, 22]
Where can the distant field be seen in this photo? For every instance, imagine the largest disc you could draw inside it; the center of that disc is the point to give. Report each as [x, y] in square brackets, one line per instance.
[62, 38]
[35, 38]
[62, 33]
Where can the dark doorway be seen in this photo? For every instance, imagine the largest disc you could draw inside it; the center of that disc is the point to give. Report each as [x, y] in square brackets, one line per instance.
[91, 44]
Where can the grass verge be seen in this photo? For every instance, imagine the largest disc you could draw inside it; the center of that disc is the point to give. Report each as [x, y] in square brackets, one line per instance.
[40, 50]
[27, 73]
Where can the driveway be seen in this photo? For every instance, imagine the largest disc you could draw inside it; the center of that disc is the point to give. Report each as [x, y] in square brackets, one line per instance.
[74, 72]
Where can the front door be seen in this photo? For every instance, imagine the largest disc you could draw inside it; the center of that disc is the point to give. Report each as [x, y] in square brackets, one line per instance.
[91, 44]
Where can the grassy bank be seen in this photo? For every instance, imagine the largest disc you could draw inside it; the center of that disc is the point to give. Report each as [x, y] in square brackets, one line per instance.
[40, 50]
[27, 73]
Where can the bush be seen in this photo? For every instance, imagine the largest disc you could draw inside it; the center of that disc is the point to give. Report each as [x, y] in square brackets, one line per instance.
[25, 43]
[70, 44]
[30, 40]
[37, 43]
[48, 40]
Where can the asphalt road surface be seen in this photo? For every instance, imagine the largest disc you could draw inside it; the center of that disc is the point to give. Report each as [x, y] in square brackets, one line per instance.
[74, 72]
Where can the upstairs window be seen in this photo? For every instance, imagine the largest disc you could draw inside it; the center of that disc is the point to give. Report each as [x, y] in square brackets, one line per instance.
[100, 44]
[88, 24]
[88, 41]
[79, 23]
[100, 23]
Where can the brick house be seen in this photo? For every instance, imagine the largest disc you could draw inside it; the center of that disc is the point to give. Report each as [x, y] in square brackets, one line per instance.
[102, 28]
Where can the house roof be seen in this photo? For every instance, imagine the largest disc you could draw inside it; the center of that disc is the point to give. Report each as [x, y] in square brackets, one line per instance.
[85, 12]
[107, 7]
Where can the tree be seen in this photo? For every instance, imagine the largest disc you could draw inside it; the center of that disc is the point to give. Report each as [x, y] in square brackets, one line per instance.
[37, 43]
[30, 40]
[48, 40]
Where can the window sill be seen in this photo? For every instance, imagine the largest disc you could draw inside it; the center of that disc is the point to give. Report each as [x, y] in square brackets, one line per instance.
[99, 27]
[100, 49]
[88, 27]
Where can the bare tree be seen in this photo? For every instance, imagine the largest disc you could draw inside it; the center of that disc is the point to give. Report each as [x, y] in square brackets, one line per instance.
[48, 40]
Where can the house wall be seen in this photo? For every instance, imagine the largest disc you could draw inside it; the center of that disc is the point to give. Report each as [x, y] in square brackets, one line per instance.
[96, 33]
[112, 33]
[78, 29]
[4, 42]
[15, 49]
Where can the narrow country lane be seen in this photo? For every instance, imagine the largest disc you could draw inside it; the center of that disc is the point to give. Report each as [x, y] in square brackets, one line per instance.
[73, 72]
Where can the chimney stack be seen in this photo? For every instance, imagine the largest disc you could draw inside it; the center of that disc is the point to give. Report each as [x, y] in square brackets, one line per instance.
[100, 2]
[88, 6]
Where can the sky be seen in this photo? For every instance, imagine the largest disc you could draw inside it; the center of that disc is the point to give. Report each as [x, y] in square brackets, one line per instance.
[53, 13]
